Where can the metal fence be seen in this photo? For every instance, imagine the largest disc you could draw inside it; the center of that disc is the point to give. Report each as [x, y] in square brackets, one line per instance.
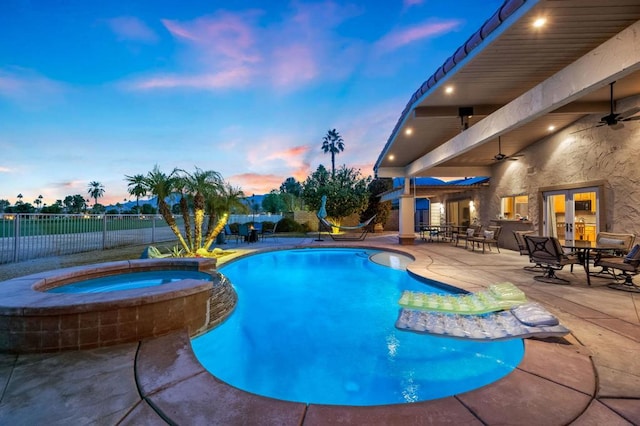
[31, 236]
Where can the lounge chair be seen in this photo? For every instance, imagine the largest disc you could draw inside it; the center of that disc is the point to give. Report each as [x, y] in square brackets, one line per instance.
[486, 238]
[351, 233]
[628, 266]
[228, 233]
[548, 252]
[269, 233]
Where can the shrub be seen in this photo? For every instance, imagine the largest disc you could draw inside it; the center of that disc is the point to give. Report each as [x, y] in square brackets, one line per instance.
[289, 225]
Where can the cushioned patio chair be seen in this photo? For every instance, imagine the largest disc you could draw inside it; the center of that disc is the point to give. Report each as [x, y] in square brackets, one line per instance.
[548, 252]
[524, 251]
[620, 245]
[627, 265]
[471, 232]
[486, 238]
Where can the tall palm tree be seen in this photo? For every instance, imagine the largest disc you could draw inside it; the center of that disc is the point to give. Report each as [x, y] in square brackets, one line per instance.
[136, 187]
[333, 143]
[96, 190]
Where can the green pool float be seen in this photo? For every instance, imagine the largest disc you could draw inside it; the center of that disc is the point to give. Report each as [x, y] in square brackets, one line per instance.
[497, 297]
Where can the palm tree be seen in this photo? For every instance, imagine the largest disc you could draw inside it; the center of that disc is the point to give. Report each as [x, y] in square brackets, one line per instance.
[96, 190]
[38, 201]
[333, 143]
[202, 186]
[160, 184]
[228, 199]
[136, 187]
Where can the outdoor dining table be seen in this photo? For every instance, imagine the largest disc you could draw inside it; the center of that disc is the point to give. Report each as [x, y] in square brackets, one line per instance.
[440, 232]
[584, 248]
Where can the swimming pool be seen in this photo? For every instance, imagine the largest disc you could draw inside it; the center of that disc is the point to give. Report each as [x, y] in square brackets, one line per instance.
[317, 326]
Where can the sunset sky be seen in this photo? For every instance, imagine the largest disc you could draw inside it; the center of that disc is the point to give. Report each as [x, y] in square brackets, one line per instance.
[96, 90]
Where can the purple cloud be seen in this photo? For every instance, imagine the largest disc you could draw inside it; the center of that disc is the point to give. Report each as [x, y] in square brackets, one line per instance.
[402, 37]
[232, 49]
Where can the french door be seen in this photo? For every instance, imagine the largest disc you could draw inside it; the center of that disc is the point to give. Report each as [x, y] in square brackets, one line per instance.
[572, 214]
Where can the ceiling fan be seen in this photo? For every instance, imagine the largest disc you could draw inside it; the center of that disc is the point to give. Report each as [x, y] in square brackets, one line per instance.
[613, 119]
[500, 156]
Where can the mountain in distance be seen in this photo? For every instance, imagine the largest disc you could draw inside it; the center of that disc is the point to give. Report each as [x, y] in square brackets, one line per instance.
[128, 205]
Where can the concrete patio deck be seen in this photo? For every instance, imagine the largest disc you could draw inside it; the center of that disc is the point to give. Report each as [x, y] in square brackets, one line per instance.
[592, 377]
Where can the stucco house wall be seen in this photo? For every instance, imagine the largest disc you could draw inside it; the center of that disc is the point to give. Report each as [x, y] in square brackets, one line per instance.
[596, 154]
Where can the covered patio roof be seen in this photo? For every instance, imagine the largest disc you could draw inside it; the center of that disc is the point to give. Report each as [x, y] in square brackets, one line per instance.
[427, 187]
[518, 82]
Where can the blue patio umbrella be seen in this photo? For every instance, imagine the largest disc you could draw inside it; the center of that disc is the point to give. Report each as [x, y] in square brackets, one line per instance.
[322, 213]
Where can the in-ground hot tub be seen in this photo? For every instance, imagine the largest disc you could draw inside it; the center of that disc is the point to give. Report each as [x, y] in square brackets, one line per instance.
[35, 320]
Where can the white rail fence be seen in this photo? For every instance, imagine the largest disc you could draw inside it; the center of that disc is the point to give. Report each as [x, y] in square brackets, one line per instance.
[31, 236]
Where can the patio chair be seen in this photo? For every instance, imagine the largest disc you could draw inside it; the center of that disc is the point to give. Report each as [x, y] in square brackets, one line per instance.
[350, 233]
[524, 251]
[471, 232]
[620, 245]
[228, 233]
[243, 232]
[548, 252]
[486, 238]
[628, 266]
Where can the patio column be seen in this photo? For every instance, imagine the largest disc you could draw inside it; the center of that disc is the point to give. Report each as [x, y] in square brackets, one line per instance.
[407, 234]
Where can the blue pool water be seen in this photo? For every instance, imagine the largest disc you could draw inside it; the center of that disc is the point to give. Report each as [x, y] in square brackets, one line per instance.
[317, 326]
[129, 281]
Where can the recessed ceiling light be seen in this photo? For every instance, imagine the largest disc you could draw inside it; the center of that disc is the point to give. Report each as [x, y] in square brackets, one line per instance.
[448, 90]
[551, 128]
[391, 157]
[408, 131]
[539, 23]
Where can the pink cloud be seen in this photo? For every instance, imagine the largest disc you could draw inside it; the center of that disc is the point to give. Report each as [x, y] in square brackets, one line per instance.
[291, 154]
[228, 36]
[131, 28]
[301, 48]
[255, 183]
[400, 38]
[237, 77]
